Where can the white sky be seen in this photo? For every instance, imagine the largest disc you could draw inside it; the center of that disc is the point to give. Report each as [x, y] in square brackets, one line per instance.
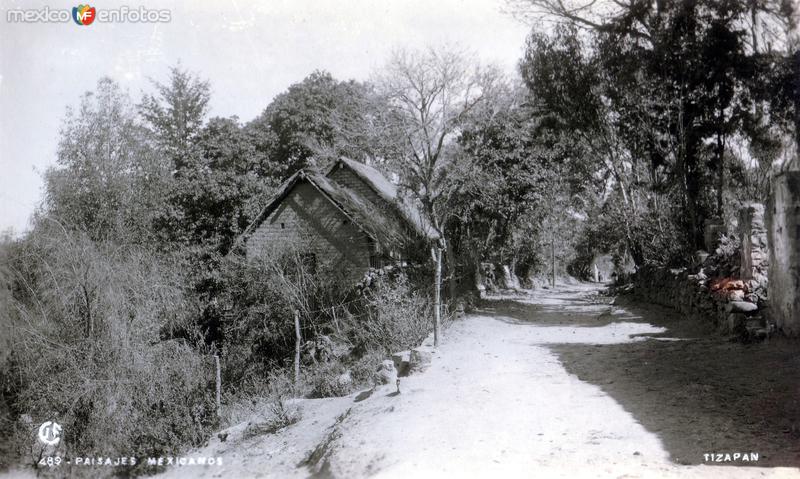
[249, 51]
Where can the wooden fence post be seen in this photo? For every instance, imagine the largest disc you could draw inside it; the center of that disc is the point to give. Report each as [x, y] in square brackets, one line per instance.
[219, 385]
[436, 252]
[553, 252]
[298, 339]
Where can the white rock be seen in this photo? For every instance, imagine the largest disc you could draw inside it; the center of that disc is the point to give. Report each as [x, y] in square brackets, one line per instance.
[741, 307]
[387, 372]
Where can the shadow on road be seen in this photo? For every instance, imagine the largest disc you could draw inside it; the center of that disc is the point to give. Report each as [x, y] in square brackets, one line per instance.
[699, 392]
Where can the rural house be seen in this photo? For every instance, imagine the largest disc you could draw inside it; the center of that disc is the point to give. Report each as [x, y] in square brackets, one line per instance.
[351, 218]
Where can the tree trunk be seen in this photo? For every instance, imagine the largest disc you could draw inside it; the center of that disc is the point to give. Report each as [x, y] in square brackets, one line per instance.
[89, 325]
[335, 320]
[297, 346]
[436, 251]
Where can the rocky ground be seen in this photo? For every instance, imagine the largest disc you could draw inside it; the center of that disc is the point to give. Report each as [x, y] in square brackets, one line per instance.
[552, 384]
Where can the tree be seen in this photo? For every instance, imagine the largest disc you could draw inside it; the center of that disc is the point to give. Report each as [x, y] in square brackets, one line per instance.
[677, 77]
[315, 120]
[91, 315]
[569, 89]
[175, 114]
[219, 190]
[495, 177]
[429, 95]
[107, 177]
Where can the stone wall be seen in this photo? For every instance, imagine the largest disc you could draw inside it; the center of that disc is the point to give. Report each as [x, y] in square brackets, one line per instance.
[754, 250]
[754, 242]
[726, 289]
[719, 302]
[783, 227]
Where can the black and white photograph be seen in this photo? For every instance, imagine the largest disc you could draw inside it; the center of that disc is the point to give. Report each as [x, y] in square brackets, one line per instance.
[400, 239]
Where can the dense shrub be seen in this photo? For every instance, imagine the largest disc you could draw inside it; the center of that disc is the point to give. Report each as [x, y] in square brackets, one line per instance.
[258, 301]
[89, 349]
[329, 380]
[274, 411]
[341, 377]
[651, 235]
[395, 316]
[242, 404]
[258, 332]
[363, 370]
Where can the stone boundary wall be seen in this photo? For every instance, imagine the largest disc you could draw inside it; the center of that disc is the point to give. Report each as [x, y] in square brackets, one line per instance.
[729, 299]
[754, 250]
[722, 303]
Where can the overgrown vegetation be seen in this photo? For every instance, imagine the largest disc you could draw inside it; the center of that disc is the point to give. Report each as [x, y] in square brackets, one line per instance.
[626, 132]
[88, 324]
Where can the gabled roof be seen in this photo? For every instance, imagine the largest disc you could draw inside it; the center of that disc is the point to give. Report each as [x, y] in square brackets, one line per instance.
[382, 228]
[374, 178]
[390, 193]
[387, 230]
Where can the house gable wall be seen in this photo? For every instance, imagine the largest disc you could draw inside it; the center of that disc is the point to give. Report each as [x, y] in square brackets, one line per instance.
[306, 218]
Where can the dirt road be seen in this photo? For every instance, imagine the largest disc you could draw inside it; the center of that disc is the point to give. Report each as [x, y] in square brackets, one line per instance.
[534, 386]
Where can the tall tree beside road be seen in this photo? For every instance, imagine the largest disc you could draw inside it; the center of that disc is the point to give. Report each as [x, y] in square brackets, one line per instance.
[429, 95]
[676, 83]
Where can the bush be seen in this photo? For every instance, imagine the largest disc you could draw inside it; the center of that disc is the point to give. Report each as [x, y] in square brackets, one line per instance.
[330, 380]
[395, 317]
[271, 395]
[280, 414]
[258, 299]
[364, 370]
[89, 349]
[340, 378]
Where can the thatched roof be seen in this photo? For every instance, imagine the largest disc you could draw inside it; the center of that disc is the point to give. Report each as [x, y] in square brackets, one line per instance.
[391, 194]
[386, 229]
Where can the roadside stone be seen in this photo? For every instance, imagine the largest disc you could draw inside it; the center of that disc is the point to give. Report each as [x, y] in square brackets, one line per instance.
[736, 296]
[751, 298]
[420, 360]
[401, 362]
[741, 307]
[345, 379]
[387, 374]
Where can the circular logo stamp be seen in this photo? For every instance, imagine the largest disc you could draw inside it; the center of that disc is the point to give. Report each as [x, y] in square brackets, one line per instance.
[50, 433]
